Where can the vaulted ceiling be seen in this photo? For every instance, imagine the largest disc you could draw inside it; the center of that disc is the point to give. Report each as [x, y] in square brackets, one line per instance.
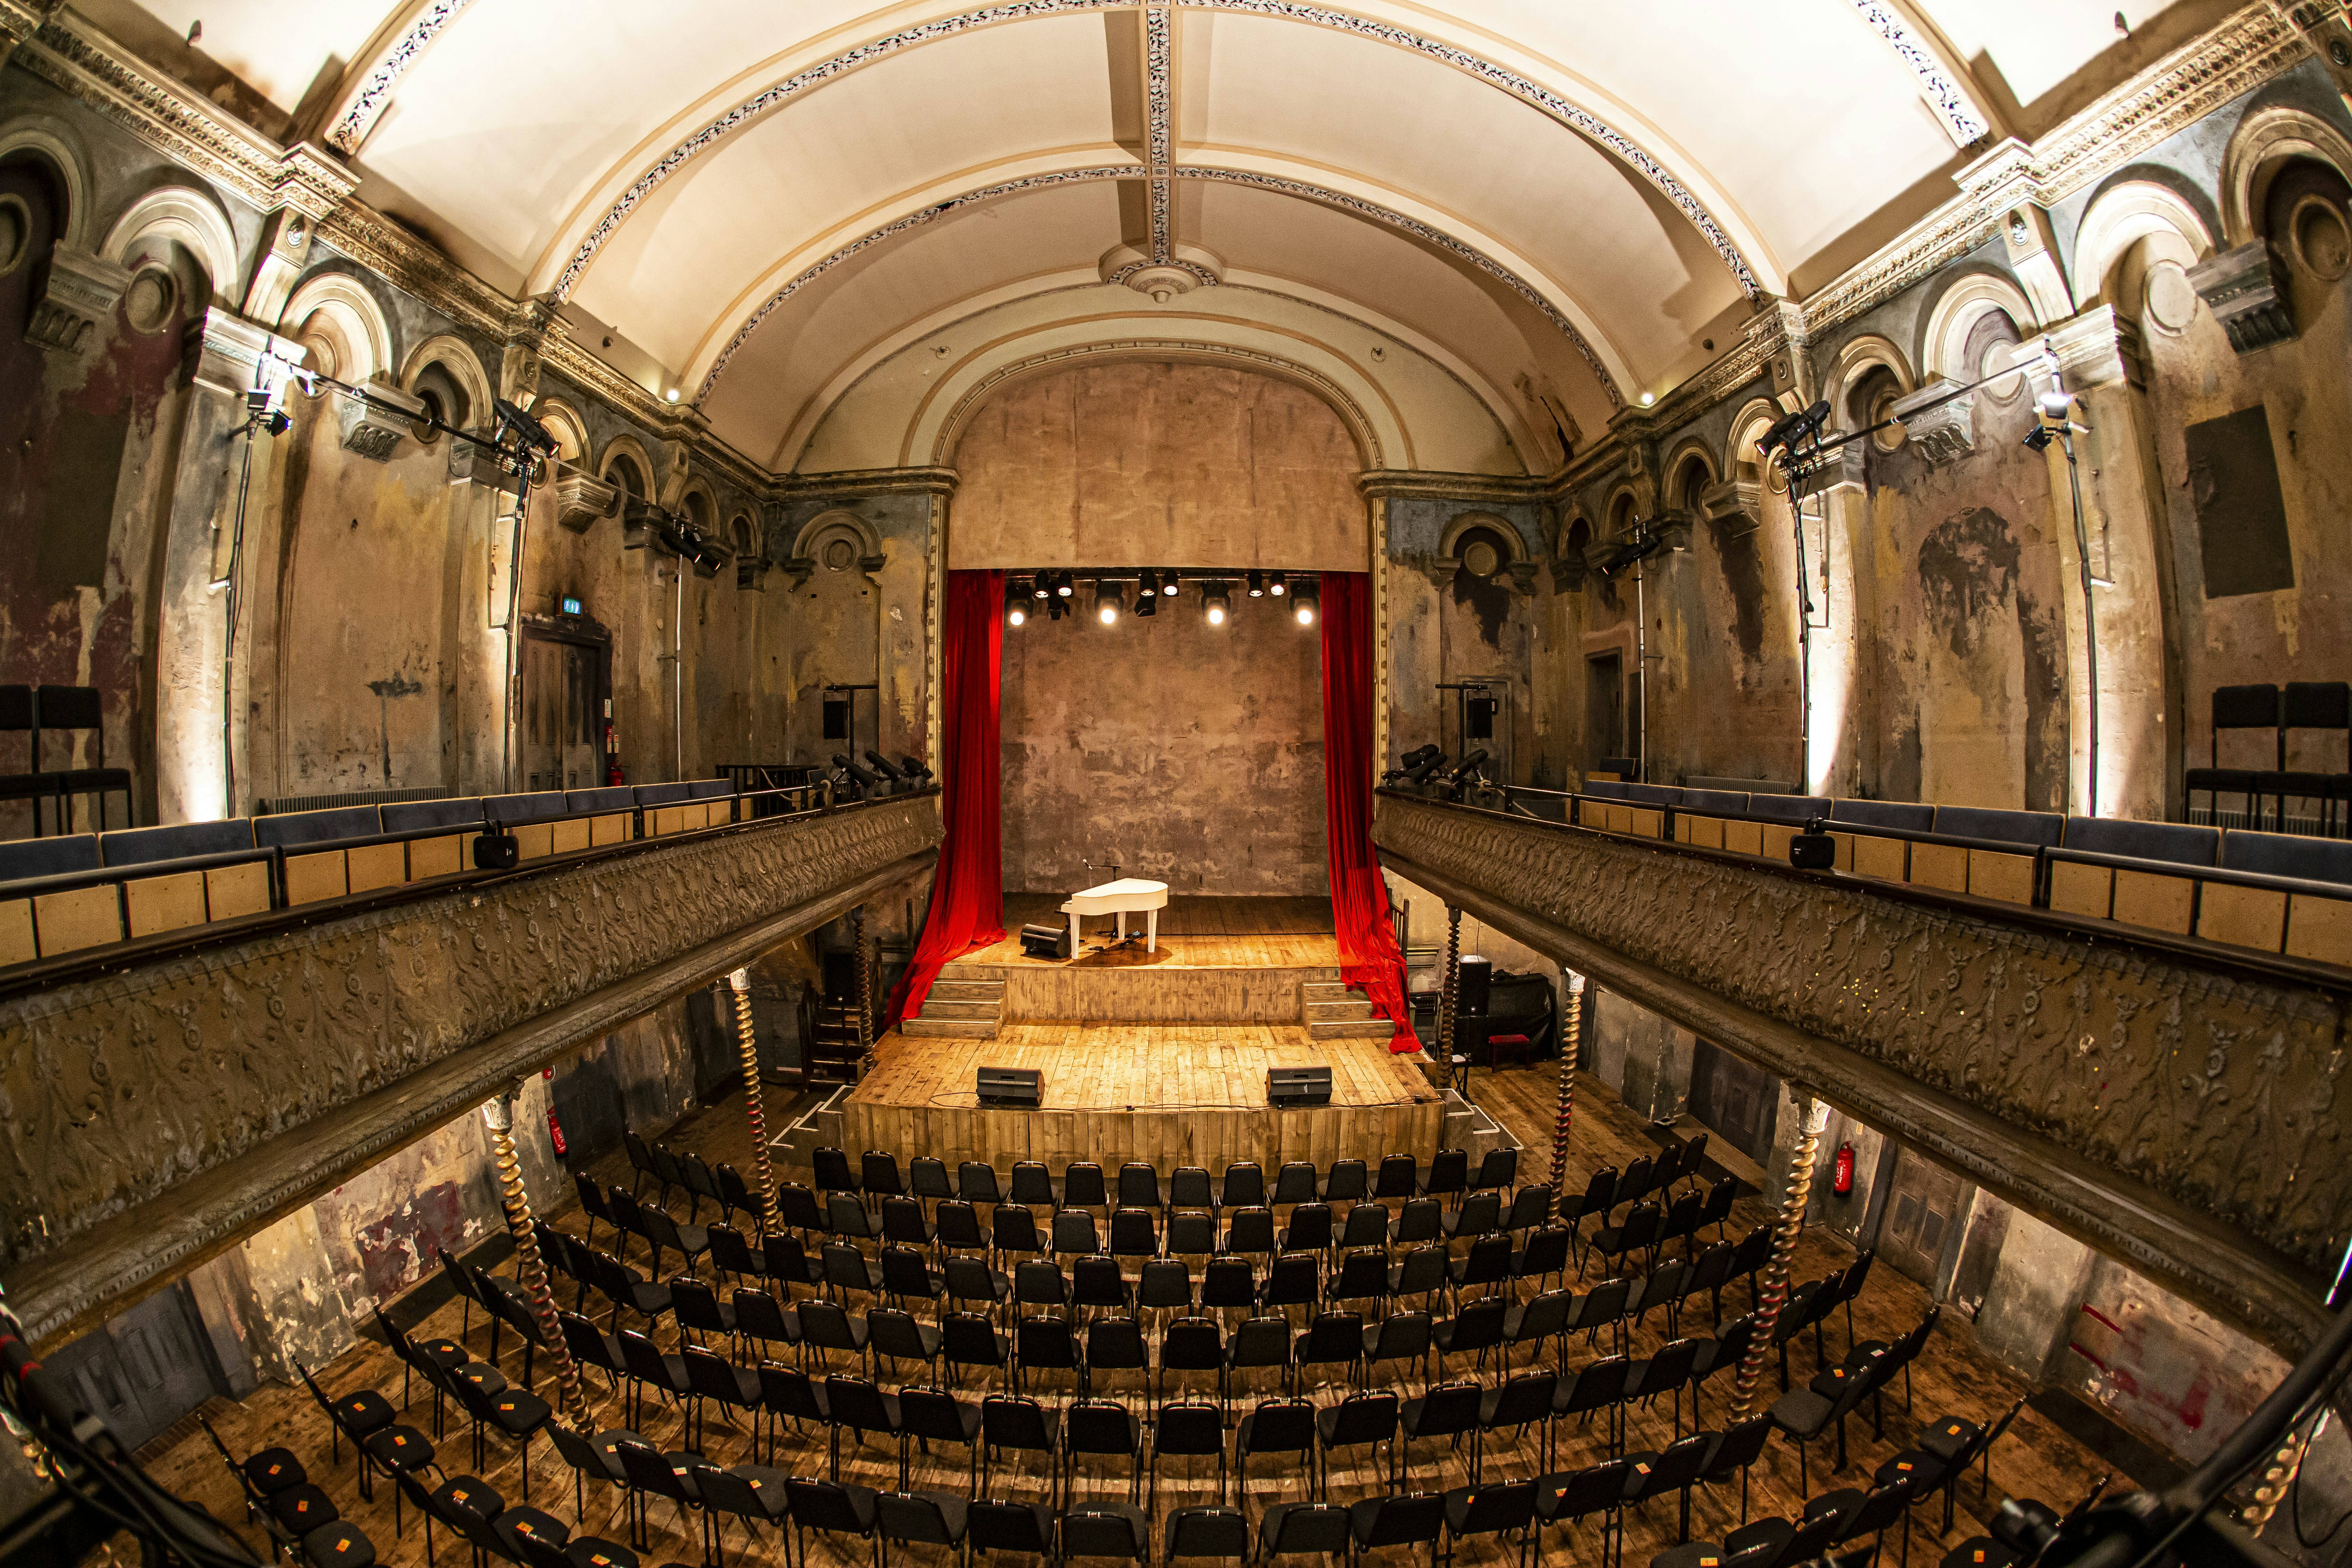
[1565, 207]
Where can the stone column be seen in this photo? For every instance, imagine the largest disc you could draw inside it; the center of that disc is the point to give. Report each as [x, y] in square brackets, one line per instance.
[770, 1220]
[1571, 1037]
[1812, 1116]
[499, 1112]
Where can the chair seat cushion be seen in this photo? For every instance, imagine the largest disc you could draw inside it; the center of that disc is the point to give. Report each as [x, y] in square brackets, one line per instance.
[469, 1495]
[1801, 1413]
[364, 1411]
[441, 1352]
[1948, 1435]
[514, 1524]
[516, 1412]
[304, 1508]
[1094, 1530]
[767, 1485]
[1980, 1552]
[339, 1545]
[274, 1470]
[400, 1448]
[481, 1375]
[1915, 1468]
[590, 1551]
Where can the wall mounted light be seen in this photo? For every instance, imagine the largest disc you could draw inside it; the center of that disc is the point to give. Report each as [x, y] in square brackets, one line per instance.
[1106, 601]
[1258, 585]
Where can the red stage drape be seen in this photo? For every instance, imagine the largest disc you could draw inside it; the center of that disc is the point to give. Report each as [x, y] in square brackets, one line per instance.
[968, 890]
[1369, 959]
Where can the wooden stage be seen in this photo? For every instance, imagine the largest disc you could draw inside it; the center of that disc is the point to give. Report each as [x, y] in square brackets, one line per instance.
[1173, 1094]
[1221, 959]
[1160, 1056]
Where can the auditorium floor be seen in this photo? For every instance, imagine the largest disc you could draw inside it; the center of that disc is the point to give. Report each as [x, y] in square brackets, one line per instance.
[2034, 1459]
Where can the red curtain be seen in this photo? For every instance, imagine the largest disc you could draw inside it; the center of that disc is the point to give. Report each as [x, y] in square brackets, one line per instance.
[1369, 959]
[967, 907]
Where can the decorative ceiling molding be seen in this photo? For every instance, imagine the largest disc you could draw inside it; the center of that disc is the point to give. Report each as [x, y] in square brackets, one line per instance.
[1355, 205]
[360, 115]
[1575, 118]
[1160, 94]
[1157, 14]
[791, 87]
[1951, 102]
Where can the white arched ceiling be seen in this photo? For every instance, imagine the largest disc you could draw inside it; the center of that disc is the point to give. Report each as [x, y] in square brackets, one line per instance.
[1532, 199]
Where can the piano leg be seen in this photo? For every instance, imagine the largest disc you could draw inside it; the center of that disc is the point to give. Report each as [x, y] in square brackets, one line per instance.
[1151, 931]
[1076, 951]
[1119, 923]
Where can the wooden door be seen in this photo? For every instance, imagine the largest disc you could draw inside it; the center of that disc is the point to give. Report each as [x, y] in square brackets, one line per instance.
[562, 714]
[1923, 1205]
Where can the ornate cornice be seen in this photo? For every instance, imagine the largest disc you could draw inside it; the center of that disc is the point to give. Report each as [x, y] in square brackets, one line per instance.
[288, 1059]
[2170, 1108]
[854, 482]
[1422, 484]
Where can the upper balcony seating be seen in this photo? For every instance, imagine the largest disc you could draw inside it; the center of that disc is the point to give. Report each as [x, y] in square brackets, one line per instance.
[2323, 706]
[2142, 874]
[61, 894]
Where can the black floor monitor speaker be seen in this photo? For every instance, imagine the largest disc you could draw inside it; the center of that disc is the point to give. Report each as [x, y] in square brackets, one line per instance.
[1046, 942]
[1472, 986]
[1021, 1088]
[1298, 1086]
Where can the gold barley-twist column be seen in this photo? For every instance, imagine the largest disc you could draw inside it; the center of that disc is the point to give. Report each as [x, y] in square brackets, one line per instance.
[1813, 1115]
[1446, 995]
[747, 1045]
[499, 1112]
[1571, 1039]
[867, 1061]
[2279, 1476]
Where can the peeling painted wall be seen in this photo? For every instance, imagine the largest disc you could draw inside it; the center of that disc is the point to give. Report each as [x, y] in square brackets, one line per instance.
[1188, 753]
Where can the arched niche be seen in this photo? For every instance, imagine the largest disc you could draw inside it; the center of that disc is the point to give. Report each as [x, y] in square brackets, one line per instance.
[2263, 144]
[2118, 221]
[337, 320]
[1161, 460]
[55, 149]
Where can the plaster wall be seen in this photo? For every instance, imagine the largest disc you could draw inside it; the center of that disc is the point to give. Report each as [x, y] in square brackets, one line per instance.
[1190, 753]
[1136, 463]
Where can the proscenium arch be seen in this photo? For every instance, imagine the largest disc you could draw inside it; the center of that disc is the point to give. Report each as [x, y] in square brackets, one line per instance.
[1674, 182]
[948, 432]
[711, 358]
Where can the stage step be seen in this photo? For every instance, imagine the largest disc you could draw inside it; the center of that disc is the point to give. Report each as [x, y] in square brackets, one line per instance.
[1351, 1029]
[934, 1007]
[1337, 1012]
[968, 990]
[948, 1029]
[971, 971]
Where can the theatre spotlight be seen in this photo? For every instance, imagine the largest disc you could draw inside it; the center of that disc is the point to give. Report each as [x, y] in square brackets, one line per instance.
[1066, 586]
[1054, 610]
[1146, 608]
[1017, 613]
[1106, 601]
[1040, 585]
[1275, 587]
[1168, 584]
[1258, 585]
[1307, 600]
[1147, 588]
[1216, 603]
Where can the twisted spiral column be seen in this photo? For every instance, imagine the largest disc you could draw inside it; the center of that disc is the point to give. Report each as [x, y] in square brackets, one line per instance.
[1570, 1046]
[1446, 995]
[2279, 1475]
[1813, 1115]
[865, 1059]
[748, 1045]
[499, 1112]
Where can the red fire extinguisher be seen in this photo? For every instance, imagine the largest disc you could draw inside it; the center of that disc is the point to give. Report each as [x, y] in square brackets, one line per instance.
[554, 1128]
[1842, 1172]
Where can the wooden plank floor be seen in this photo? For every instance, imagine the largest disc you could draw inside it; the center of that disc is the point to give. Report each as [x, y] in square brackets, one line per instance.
[2036, 1459]
[1194, 934]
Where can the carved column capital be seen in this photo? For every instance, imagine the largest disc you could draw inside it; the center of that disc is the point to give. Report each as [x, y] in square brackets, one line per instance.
[2241, 288]
[373, 426]
[1778, 336]
[1940, 431]
[580, 500]
[2098, 347]
[77, 301]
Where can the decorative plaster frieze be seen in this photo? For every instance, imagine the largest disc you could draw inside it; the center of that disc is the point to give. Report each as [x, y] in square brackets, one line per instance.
[360, 115]
[77, 300]
[1951, 103]
[374, 425]
[1160, 95]
[1420, 484]
[19, 20]
[2167, 1101]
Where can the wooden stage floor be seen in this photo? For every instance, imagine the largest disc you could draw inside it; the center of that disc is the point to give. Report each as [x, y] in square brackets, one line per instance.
[1194, 934]
[1174, 1094]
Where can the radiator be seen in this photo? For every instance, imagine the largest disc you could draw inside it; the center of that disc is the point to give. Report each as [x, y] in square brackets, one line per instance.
[284, 804]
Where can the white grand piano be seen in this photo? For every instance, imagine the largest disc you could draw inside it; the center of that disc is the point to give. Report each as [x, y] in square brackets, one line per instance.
[1127, 895]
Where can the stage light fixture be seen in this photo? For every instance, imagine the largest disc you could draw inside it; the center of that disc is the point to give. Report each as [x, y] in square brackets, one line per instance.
[1258, 585]
[1015, 612]
[1147, 587]
[1041, 588]
[1216, 603]
[1275, 585]
[1168, 584]
[1308, 600]
[1066, 586]
[1106, 601]
[1146, 608]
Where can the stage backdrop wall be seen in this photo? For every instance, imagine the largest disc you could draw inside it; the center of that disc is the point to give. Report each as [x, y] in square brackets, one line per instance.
[1190, 753]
